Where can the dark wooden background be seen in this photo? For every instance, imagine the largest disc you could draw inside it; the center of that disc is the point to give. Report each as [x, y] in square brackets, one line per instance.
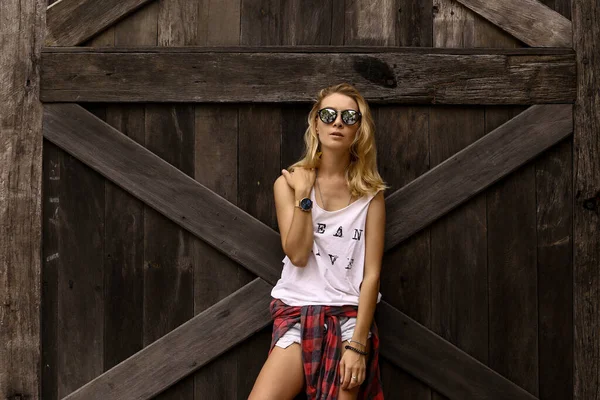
[494, 276]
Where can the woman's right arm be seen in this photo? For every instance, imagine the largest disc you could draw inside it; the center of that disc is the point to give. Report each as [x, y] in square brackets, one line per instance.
[295, 225]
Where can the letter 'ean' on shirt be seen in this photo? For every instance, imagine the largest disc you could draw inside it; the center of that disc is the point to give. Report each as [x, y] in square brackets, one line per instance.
[335, 267]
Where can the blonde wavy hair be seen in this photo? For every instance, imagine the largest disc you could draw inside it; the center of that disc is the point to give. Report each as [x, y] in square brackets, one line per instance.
[362, 175]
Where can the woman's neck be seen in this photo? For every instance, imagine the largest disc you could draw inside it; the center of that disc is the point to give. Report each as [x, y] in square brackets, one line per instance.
[334, 166]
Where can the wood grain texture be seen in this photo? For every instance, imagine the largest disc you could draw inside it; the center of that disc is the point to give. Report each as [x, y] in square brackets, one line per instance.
[438, 363]
[72, 22]
[513, 271]
[474, 168]
[165, 188]
[403, 155]
[436, 372]
[586, 188]
[554, 193]
[528, 20]
[458, 247]
[185, 349]
[80, 330]
[21, 35]
[406, 77]
[370, 23]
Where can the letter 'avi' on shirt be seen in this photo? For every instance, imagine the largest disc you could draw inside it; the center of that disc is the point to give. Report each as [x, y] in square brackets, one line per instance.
[335, 267]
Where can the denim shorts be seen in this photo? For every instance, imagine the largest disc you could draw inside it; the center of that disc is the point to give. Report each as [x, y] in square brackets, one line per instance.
[293, 334]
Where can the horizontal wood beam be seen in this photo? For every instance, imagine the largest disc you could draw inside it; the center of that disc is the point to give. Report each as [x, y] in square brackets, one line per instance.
[530, 21]
[130, 165]
[185, 349]
[406, 76]
[72, 22]
[165, 188]
[475, 168]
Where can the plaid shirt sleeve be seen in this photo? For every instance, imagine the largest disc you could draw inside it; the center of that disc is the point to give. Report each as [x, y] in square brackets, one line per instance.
[322, 349]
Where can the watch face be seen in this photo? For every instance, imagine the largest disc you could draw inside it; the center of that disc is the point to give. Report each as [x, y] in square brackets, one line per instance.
[306, 203]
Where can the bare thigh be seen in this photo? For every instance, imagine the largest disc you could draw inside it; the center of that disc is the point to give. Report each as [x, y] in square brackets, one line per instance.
[282, 375]
[352, 394]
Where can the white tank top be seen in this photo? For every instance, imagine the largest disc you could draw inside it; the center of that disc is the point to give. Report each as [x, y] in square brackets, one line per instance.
[335, 267]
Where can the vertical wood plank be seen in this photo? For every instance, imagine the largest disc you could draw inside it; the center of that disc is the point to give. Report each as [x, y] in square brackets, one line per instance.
[124, 252]
[260, 22]
[512, 250]
[555, 271]
[586, 187]
[81, 308]
[258, 164]
[80, 334]
[307, 22]
[124, 232]
[216, 276]
[216, 148]
[512, 271]
[258, 167]
[371, 23]
[52, 160]
[402, 137]
[458, 241]
[168, 260]
[458, 244]
[168, 267]
[22, 27]
[414, 24]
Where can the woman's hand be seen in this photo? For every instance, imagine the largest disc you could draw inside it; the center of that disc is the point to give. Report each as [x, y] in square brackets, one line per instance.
[301, 179]
[352, 364]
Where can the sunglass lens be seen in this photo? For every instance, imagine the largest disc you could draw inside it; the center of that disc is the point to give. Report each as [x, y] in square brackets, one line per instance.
[327, 115]
[349, 117]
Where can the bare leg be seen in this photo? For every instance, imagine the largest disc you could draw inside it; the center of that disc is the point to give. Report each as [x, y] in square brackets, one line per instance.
[282, 375]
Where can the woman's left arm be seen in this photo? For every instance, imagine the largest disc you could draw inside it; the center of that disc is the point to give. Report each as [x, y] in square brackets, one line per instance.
[374, 245]
[353, 363]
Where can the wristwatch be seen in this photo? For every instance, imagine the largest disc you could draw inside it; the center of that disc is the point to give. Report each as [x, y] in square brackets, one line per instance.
[305, 204]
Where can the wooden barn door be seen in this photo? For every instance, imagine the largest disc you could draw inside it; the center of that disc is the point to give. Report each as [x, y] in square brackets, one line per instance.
[160, 237]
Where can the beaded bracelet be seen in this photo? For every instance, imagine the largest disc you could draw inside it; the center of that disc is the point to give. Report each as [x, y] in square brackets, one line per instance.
[348, 347]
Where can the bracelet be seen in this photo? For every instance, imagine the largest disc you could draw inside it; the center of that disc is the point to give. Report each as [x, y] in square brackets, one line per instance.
[348, 347]
[350, 341]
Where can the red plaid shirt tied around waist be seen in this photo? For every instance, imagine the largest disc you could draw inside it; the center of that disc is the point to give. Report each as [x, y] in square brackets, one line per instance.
[322, 351]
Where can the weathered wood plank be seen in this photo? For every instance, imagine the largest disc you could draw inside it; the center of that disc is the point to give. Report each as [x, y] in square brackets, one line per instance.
[165, 188]
[168, 248]
[438, 363]
[403, 155]
[404, 77]
[72, 22]
[474, 168]
[124, 225]
[554, 193]
[513, 271]
[522, 19]
[586, 189]
[216, 276]
[21, 36]
[259, 139]
[186, 348]
[370, 23]
[80, 267]
[312, 49]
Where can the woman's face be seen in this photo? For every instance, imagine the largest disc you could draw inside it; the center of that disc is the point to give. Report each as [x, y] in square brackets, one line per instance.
[337, 135]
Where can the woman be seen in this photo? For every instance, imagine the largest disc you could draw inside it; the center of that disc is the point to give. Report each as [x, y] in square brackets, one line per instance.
[331, 216]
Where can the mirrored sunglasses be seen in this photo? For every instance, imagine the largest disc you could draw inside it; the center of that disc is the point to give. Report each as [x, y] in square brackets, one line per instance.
[349, 117]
